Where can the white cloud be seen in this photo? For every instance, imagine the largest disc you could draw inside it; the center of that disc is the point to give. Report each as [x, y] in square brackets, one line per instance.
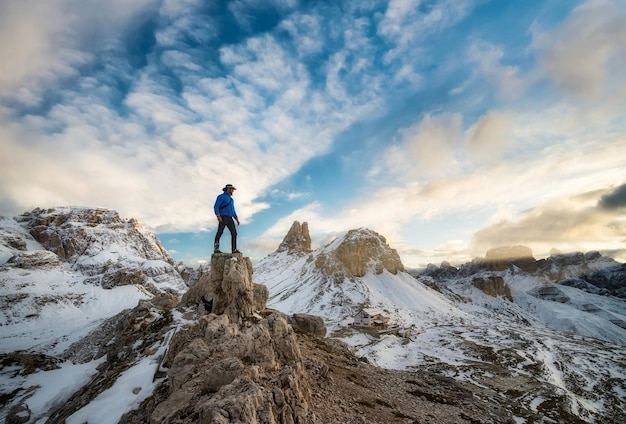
[486, 61]
[306, 31]
[34, 43]
[405, 23]
[490, 136]
[430, 145]
[44, 42]
[581, 54]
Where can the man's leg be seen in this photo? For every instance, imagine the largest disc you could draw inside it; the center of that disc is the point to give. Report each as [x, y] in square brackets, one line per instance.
[220, 230]
[230, 223]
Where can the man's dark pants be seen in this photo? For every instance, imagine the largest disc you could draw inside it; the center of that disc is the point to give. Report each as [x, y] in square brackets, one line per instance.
[227, 221]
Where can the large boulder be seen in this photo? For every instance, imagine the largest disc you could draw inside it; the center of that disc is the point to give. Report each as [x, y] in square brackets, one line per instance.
[310, 323]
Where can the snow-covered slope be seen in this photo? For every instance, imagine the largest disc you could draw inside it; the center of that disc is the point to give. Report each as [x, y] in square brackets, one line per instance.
[296, 285]
[65, 273]
[556, 349]
[50, 300]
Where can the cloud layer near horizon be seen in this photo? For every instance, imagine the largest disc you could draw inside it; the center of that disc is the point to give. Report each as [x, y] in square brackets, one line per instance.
[149, 107]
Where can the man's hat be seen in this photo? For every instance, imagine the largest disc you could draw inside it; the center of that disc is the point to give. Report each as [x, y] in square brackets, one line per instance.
[228, 186]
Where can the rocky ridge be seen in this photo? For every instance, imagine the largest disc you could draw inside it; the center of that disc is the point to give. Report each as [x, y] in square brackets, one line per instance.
[587, 271]
[99, 244]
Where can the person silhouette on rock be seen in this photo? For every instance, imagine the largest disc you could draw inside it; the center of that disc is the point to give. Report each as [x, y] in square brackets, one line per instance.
[226, 216]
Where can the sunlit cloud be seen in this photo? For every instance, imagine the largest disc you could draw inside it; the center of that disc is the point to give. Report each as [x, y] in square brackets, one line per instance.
[579, 54]
[567, 224]
[489, 138]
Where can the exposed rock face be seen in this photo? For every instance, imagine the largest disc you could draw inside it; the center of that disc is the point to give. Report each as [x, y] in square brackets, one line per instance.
[444, 271]
[35, 259]
[499, 258]
[493, 286]
[13, 241]
[310, 323]
[549, 292]
[230, 286]
[72, 232]
[297, 239]
[101, 245]
[362, 250]
[233, 366]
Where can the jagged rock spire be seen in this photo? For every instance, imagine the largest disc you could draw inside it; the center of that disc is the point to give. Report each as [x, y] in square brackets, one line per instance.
[297, 239]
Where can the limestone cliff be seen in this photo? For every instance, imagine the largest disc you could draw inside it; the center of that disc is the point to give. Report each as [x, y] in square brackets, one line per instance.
[363, 249]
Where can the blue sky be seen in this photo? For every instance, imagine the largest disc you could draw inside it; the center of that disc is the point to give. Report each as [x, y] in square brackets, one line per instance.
[450, 127]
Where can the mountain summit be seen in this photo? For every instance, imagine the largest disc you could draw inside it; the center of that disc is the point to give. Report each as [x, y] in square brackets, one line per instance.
[297, 239]
[364, 250]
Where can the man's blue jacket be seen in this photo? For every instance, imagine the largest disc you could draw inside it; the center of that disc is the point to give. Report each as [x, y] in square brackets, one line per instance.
[225, 205]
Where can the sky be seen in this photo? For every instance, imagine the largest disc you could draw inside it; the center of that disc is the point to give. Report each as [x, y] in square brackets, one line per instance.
[449, 127]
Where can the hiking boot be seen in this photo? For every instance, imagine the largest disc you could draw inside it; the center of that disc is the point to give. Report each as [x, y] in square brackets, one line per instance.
[217, 251]
[236, 251]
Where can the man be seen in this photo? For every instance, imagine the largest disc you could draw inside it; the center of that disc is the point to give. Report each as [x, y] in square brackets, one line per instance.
[226, 216]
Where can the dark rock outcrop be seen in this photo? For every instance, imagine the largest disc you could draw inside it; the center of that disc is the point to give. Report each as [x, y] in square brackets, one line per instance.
[310, 323]
[493, 286]
[35, 259]
[549, 292]
[500, 258]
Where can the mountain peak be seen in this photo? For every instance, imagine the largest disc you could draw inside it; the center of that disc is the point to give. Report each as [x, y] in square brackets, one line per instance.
[297, 239]
[363, 250]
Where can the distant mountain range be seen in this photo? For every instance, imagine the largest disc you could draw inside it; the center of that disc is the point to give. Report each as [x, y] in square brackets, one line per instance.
[547, 335]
